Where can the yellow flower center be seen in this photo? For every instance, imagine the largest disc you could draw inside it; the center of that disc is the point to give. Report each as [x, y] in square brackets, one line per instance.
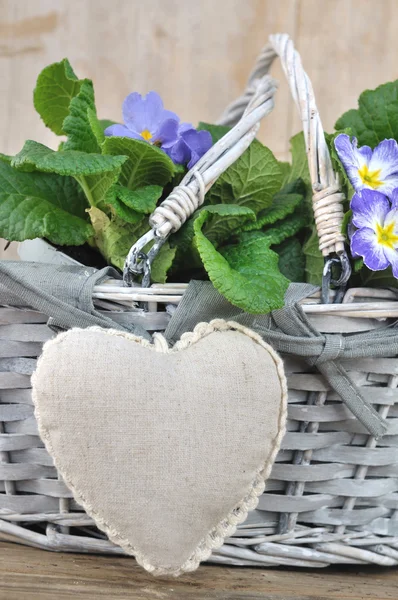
[386, 236]
[370, 178]
[147, 135]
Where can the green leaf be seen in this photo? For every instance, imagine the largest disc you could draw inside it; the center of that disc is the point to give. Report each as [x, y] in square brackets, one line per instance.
[131, 205]
[346, 221]
[376, 117]
[5, 158]
[35, 156]
[286, 168]
[251, 181]
[96, 126]
[94, 172]
[56, 86]
[291, 259]
[347, 188]
[378, 279]
[246, 274]
[187, 254]
[314, 260]
[114, 237]
[145, 165]
[358, 264]
[77, 125]
[301, 171]
[42, 205]
[162, 263]
[290, 226]
[216, 131]
[143, 199]
[282, 206]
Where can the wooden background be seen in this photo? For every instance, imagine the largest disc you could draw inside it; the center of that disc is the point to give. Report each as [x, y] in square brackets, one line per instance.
[195, 53]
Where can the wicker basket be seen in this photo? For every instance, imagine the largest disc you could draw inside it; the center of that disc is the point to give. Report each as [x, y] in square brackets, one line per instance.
[332, 496]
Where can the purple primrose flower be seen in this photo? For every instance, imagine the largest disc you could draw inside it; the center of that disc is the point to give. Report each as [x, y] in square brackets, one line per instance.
[146, 119]
[190, 146]
[366, 168]
[376, 238]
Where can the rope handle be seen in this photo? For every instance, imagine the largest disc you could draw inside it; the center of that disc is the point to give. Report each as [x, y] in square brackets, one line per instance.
[247, 111]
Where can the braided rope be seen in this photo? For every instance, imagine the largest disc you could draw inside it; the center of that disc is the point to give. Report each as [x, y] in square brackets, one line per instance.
[178, 207]
[327, 195]
[190, 194]
[327, 198]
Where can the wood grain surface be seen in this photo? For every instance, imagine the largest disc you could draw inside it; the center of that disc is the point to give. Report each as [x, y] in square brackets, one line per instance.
[30, 574]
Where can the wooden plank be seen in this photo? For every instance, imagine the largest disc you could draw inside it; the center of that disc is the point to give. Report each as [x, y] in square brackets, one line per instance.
[39, 575]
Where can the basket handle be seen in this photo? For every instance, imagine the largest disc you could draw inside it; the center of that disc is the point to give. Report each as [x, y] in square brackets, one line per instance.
[170, 215]
[247, 111]
[327, 195]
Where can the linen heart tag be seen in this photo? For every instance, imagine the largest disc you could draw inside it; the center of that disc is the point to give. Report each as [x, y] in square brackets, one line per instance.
[167, 449]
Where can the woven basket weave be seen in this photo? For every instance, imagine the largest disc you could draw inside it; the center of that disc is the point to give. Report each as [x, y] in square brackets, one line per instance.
[332, 496]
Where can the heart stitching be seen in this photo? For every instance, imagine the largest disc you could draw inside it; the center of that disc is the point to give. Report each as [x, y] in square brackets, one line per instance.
[228, 525]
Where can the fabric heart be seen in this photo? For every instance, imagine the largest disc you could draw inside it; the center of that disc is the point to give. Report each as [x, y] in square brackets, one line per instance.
[166, 449]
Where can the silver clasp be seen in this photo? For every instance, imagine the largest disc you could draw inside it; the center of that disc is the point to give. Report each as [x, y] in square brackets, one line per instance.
[139, 262]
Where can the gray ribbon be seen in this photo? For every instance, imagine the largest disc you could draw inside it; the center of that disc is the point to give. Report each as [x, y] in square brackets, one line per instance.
[63, 292]
[289, 331]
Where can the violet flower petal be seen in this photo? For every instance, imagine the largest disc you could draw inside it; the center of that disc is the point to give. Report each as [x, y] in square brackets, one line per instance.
[364, 243]
[180, 153]
[121, 131]
[394, 198]
[167, 132]
[385, 158]
[392, 256]
[351, 158]
[369, 208]
[198, 142]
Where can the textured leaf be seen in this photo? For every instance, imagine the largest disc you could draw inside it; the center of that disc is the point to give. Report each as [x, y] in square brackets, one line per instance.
[376, 117]
[95, 172]
[251, 181]
[146, 164]
[42, 205]
[290, 226]
[187, 253]
[301, 171]
[347, 188]
[131, 205]
[286, 169]
[314, 260]
[96, 127]
[162, 263]
[77, 125]
[282, 206]
[114, 239]
[35, 156]
[291, 259]
[142, 200]
[246, 274]
[56, 86]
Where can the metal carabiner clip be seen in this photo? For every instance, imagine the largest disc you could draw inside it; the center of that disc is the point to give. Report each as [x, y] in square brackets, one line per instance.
[139, 262]
[327, 278]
